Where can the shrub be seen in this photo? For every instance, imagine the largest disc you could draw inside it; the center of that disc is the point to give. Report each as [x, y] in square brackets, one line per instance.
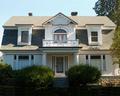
[82, 75]
[5, 72]
[39, 77]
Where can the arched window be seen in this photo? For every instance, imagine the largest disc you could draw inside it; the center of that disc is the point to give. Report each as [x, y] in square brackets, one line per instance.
[60, 36]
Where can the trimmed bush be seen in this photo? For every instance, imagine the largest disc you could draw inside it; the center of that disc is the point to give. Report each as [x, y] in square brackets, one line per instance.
[5, 72]
[83, 75]
[38, 77]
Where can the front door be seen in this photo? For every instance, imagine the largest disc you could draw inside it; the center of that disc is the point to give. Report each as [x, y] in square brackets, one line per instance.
[59, 65]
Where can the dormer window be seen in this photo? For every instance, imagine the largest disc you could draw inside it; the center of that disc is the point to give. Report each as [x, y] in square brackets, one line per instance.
[60, 36]
[94, 36]
[24, 36]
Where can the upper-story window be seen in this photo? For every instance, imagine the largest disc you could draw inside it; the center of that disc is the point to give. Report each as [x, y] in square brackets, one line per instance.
[60, 36]
[24, 36]
[94, 36]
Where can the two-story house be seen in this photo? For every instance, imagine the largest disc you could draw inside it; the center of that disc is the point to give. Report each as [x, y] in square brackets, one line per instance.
[59, 42]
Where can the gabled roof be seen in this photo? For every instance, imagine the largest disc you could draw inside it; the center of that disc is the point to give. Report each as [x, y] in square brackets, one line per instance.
[39, 20]
[49, 20]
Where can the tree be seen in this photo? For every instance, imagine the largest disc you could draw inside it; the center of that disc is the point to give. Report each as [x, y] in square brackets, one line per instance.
[111, 9]
[115, 48]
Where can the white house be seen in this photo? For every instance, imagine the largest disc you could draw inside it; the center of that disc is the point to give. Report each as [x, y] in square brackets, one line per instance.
[59, 42]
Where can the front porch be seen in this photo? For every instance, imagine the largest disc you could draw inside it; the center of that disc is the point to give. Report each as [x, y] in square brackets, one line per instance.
[60, 62]
[60, 59]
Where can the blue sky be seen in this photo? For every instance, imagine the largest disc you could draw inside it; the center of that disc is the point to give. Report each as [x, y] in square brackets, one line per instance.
[10, 8]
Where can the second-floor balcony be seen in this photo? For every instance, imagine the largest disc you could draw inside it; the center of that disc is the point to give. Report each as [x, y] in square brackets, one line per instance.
[68, 43]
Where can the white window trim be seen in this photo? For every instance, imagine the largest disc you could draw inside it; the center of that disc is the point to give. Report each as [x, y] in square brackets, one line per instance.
[94, 36]
[96, 28]
[24, 28]
[59, 35]
[103, 67]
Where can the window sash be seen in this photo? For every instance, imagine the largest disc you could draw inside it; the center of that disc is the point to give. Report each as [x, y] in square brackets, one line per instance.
[60, 38]
[24, 36]
[94, 36]
[25, 57]
[98, 61]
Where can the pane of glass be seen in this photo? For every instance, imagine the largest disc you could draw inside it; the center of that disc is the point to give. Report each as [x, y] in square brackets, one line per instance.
[94, 33]
[60, 38]
[23, 57]
[24, 36]
[94, 39]
[60, 31]
[95, 57]
[95, 61]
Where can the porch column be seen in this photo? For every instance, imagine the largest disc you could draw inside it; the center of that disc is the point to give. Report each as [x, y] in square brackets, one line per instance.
[44, 59]
[89, 59]
[76, 58]
[101, 66]
[16, 63]
[29, 60]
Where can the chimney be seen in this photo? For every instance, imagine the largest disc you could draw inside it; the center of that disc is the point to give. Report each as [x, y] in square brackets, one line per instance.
[74, 13]
[30, 14]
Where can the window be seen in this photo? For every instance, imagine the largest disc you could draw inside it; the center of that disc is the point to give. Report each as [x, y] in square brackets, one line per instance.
[60, 36]
[98, 61]
[87, 60]
[23, 57]
[32, 57]
[104, 63]
[24, 36]
[95, 61]
[14, 57]
[94, 36]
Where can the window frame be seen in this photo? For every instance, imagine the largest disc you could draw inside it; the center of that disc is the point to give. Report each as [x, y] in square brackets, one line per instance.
[60, 37]
[102, 58]
[95, 37]
[22, 41]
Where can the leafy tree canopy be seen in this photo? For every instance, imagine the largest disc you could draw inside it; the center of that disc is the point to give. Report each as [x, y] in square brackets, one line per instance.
[111, 9]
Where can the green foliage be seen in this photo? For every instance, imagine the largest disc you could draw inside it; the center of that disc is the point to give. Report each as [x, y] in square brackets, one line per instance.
[39, 77]
[82, 75]
[5, 72]
[104, 7]
[110, 8]
[115, 48]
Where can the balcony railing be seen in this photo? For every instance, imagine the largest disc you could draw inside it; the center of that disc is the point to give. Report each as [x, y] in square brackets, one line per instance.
[68, 43]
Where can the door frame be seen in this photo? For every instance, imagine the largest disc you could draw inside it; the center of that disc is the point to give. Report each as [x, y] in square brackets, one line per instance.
[64, 69]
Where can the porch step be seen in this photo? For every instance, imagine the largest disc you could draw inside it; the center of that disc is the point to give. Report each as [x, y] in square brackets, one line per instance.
[61, 82]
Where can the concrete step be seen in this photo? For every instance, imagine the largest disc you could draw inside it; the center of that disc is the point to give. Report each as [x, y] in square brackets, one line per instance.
[61, 82]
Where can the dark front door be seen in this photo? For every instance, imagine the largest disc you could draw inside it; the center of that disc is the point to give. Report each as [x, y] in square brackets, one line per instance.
[59, 64]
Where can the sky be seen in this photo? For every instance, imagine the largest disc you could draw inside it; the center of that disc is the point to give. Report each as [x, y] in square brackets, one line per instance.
[9, 8]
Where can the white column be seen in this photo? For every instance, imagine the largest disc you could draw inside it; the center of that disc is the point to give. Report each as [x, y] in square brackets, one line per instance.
[16, 63]
[76, 58]
[29, 60]
[89, 59]
[101, 65]
[44, 59]
[30, 36]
